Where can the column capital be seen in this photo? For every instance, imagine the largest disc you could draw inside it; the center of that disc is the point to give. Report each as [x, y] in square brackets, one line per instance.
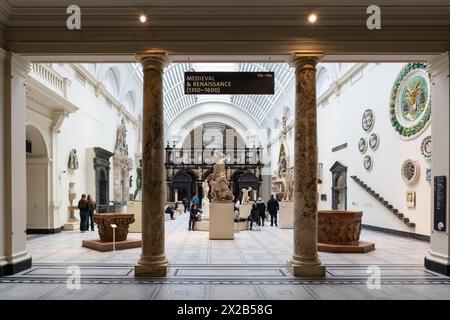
[18, 63]
[299, 59]
[153, 59]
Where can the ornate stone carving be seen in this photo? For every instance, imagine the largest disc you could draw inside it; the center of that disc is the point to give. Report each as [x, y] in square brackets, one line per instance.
[339, 227]
[73, 160]
[410, 171]
[105, 231]
[123, 164]
[288, 185]
[219, 186]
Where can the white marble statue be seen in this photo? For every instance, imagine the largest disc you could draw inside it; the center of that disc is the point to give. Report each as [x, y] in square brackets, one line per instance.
[205, 187]
[73, 160]
[245, 197]
[219, 185]
[288, 186]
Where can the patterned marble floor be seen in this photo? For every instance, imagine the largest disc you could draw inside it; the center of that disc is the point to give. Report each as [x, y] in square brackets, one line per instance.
[253, 266]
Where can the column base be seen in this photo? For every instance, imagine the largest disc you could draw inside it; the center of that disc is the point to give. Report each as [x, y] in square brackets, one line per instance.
[307, 271]
[16, 267]
[436, 266]
[144, 271]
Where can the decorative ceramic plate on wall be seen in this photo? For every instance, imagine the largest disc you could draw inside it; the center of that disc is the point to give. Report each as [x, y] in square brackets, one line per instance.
[410, 103]
[362, 145]
[368, 163]
[374, 141]
[425, 147]
[368, 120]
[410, 171]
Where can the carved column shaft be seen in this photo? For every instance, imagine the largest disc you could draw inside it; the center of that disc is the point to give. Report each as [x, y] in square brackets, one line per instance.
[153, 261]
[305, 262]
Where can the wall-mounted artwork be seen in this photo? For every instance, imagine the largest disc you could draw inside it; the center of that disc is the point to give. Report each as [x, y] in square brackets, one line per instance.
[425, 147]
[410, 171]
[374, 141]
[428, 174]
[362, 145]
[410, 107]
[368, 163]
[368, 120]
[411, 199]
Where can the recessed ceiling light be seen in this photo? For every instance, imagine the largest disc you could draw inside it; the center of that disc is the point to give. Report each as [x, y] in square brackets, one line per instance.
[143, 18]
[312, 18]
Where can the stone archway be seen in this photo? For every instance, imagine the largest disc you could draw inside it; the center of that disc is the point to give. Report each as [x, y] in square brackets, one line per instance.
[39, 218]
[183, 185]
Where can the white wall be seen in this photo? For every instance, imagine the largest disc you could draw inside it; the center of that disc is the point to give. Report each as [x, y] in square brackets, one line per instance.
[339, 122]
[93, 125]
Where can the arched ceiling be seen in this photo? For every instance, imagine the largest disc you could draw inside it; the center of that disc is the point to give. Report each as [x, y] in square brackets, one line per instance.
[257, 106]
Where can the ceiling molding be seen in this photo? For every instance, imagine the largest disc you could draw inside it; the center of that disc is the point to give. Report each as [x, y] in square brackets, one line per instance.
[210, 28]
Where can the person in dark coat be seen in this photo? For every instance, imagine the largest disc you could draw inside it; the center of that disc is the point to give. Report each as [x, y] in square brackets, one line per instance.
[254, 215]
[273, 206]
[262, 211]
[92, 206]
[84, 207]
[170, 210]
[193, 217]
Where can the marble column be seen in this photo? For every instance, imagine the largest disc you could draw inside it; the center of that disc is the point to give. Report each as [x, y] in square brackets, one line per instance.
[153, 261]
[305, 262]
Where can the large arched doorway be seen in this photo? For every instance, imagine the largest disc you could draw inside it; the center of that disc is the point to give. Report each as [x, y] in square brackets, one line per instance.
[39, 218]
[244, 179]
[183, 186]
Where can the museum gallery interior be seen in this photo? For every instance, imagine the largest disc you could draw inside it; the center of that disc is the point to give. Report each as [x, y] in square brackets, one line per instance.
[141, 143]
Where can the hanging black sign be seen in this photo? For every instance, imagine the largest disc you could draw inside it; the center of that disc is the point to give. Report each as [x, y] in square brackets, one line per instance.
[440, 203]
[229, 82]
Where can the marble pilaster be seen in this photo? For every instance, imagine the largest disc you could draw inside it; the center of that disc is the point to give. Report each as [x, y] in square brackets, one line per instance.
[305, 261]
[153, 261]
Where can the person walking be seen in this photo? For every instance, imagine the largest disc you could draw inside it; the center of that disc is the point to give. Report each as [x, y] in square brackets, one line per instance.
[254, 215]
[92, 206]
[273, 206]
[193, 217]
[83, 206]
[262, 210]
[170, 210]
[196, 200]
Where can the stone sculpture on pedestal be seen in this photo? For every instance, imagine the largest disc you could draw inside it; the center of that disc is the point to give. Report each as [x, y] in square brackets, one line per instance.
[220, 190]
[122, 167]
[72, 222]
[288, 185]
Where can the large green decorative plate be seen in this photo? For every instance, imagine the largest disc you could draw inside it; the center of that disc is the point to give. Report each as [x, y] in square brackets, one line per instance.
[410, 103]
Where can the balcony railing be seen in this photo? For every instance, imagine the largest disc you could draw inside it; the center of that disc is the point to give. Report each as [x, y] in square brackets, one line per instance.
[50, 78]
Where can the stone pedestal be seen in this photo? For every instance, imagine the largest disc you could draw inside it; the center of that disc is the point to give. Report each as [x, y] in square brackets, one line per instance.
[105, 231]
[221, 221]
[135, 207]
[339, 231]
[286, 218]
[205, 208]
[72, 223]
[244, 210]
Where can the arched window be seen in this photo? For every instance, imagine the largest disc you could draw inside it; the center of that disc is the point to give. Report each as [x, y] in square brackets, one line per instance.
[112, 81]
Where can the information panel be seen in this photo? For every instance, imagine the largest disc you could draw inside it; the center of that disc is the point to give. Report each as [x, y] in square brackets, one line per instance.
[440, 203]
[229, 82]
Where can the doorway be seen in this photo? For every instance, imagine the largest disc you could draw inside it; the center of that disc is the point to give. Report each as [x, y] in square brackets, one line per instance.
[339, 187]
